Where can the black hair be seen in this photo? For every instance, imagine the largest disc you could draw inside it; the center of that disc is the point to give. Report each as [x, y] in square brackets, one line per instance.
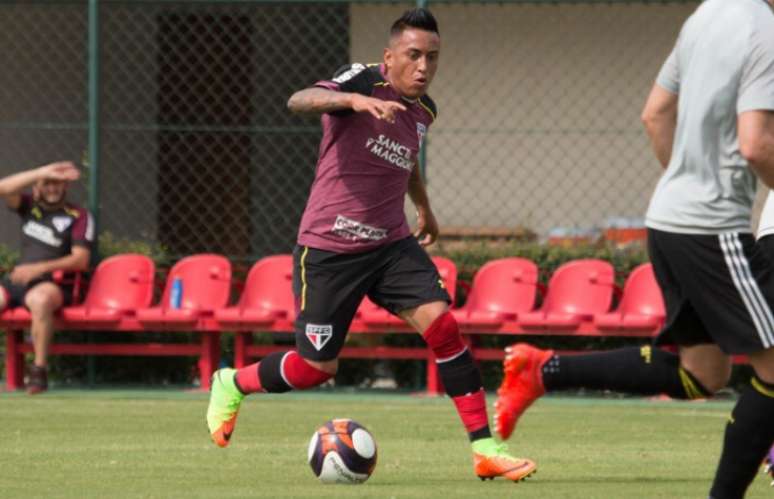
[418, 18]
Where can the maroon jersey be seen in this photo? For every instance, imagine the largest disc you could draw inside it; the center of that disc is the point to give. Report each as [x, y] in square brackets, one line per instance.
[48, 235]
[356, 200]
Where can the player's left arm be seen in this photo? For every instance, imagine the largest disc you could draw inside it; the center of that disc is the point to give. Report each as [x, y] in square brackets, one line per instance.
[77, 260]
[427, 226]
[660, 119]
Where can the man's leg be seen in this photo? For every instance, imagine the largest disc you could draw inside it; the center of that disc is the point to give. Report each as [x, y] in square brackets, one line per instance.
[462, 381]
[328, 289]
[749, 431]
[530, 372]
[43, 300]
[278, 372]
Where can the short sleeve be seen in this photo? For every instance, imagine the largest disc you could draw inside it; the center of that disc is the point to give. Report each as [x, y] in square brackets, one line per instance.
[756, 88]
[83, 229]
[350, 78]
[669, 76]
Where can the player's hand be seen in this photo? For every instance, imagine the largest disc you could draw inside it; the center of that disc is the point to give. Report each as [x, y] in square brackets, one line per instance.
[26, 272]
[379, 109]
[427, 227]
[62, 170]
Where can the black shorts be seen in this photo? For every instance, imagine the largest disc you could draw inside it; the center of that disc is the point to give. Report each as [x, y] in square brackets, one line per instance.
[717, 289]
[330, 286]
[17, 292]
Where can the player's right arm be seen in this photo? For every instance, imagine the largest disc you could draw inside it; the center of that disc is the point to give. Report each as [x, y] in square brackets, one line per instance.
[321, 100]
[660, 113]
[755, 107]
[660, 119]
[350, 89]
[11, 187]
[756, 143]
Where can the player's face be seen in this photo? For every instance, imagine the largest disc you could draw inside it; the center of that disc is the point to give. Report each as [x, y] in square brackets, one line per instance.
[411, 61]
[51, 192]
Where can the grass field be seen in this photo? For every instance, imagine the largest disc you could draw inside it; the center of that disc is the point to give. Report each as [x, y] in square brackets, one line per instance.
[154, 444]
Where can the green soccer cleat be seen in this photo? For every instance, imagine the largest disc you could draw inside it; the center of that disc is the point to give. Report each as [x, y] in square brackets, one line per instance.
[225, 400]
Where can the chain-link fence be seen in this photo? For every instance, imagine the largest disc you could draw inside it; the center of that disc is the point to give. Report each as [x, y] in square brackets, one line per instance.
[538, 103]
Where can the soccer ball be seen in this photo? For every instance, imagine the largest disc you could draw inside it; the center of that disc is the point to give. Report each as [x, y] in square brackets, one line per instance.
[342, 451]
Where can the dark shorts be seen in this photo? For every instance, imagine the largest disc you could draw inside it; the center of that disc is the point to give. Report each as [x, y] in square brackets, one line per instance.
[717, 289]
[17, 292]
[330, 286]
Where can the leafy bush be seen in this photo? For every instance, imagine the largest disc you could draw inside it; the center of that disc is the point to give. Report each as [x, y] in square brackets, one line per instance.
[109, 244]
[8, 258]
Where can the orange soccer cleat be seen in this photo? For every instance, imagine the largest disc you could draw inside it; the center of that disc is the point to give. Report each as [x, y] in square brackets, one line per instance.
[491, 460]
[522, 385]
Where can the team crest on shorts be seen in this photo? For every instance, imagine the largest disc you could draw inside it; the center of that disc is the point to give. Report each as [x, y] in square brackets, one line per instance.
[319, 335]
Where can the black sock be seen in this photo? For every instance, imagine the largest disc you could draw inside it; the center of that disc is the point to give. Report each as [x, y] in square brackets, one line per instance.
[460, 376]
[270, 373]
[637, 370]
[749, 435]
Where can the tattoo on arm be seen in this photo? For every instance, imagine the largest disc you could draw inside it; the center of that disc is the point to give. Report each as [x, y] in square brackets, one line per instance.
[319, 100]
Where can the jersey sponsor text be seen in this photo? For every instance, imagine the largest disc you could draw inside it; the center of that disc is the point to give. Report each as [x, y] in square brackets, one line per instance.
[354, 230]
[391, 151]
[42, 233]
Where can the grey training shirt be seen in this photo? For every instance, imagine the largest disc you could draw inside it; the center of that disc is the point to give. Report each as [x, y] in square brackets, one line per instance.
[722, 65]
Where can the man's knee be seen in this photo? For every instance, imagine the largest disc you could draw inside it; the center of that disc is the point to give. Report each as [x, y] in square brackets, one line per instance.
[712, 382]
[708, 365]
[43, 301]
[327, 366]
[444, 338]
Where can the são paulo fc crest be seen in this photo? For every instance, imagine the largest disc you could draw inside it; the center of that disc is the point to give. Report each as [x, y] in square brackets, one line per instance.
[421, 131]
[61, 223]
[319, 335]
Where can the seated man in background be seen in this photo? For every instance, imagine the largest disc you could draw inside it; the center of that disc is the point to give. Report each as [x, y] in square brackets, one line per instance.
[56, 236]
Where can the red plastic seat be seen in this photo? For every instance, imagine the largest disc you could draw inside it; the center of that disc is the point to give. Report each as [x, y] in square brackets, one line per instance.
[267, 295]
[577, 291]
[501, 291]
[15, 318]
[641, 307]
[120, 285]
[373, 315]
[206, 280]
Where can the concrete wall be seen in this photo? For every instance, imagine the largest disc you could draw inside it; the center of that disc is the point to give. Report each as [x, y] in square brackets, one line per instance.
[538, 109]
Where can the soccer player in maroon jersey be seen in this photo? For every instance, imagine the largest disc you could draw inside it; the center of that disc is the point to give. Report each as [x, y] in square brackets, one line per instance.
[56, 236]
[354, 240]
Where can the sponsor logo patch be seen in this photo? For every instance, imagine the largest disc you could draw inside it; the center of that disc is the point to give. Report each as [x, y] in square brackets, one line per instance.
[355, 231]
[42, 233]
[350, 73]
[319, 335]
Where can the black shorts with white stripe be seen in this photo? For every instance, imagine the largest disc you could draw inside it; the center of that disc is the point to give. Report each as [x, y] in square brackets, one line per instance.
[717, 289]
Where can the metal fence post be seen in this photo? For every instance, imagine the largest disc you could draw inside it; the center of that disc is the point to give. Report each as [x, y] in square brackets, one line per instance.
[422, 4]
[94, 152]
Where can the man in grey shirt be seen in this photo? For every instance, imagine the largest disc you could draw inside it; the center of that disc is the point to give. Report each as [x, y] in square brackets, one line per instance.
[710, 118]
